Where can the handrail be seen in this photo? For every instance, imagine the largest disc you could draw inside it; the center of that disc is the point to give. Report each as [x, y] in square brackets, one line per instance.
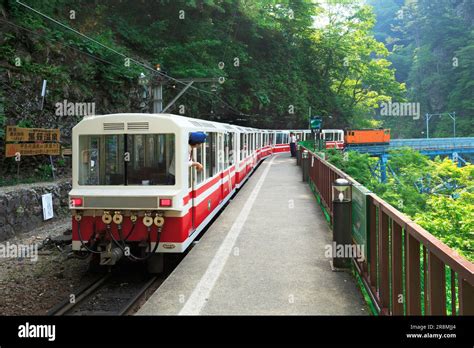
[406, 261]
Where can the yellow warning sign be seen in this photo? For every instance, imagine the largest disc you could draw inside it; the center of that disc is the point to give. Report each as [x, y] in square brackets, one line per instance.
[32, 134]
[32, 149]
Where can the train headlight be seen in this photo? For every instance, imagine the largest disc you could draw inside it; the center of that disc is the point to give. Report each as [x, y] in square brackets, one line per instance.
[166, 202]
[75, 202]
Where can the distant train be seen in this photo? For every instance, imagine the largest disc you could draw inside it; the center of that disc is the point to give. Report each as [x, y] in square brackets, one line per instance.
[341, 139]
[122, 201]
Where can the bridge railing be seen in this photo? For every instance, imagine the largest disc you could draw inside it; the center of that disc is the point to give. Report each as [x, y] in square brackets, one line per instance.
[433, 143]
[408, 270]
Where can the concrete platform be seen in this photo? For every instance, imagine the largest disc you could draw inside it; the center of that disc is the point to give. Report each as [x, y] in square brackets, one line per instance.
[263, 256]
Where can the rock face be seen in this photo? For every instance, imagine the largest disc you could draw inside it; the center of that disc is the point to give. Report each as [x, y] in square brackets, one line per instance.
[21, 207]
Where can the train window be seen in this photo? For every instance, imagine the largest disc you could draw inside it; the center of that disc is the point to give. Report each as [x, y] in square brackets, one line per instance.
[114, 166]
[208, 153]
[279, 138]
[199, 156]
[231, 149]
[226, 150]
[151, 156]
[271, 139]
[243, 146]
[329, 136]
[102, 159]
[89, 166]
[211, 155]
[221, 158]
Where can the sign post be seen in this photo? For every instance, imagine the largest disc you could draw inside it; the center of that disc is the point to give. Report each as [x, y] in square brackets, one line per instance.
[316, 123]
[31, 142]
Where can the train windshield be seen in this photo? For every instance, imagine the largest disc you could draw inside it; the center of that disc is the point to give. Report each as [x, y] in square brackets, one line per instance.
[126, 159]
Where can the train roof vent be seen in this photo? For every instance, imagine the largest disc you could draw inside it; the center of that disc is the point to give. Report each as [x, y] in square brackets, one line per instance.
[195, 123]
[137, 125]
[112, 126]
[210, 125]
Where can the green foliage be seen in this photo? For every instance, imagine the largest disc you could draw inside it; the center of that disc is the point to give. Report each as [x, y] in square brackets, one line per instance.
[285, 64]
[355, 164]
[61, 162]
[2, 116]
[45, 171]
[433, 52]
[451, 220]
[445, 209]
[25, 124]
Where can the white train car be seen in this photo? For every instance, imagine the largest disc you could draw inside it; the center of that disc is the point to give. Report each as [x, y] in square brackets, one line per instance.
[133, 193]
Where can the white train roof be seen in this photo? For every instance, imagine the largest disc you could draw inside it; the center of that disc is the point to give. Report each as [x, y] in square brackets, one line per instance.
[180, 121]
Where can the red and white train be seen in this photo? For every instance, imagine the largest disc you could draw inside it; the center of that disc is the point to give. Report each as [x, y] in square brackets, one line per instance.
[122, 200]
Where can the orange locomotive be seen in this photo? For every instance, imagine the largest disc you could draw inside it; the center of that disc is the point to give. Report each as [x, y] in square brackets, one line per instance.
[366, 136]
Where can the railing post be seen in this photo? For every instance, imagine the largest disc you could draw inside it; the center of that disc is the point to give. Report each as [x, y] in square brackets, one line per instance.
[342, 222]
[299, 149]
[398, 298]
[373, 244]
[305, 165]
[412, 252]
[384, 289]
[437, 286]
[466, 297]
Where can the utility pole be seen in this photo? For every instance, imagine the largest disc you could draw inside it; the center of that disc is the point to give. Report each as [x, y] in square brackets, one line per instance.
[452, 115]
[157, 94]
[428, 116]
[309, 118]
[157, 83]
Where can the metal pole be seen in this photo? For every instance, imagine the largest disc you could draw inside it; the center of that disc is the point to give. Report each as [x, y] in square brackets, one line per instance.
[158, 98]
[177, 97]
[383, 168]
[427, 126]
[309, 118]
[43, 94]
[454, 119]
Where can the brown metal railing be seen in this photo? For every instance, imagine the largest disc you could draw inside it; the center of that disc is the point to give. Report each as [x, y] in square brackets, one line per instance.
[408, 271]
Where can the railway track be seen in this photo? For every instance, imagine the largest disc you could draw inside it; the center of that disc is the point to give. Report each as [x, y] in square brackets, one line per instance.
[121, 291]
[109, 294]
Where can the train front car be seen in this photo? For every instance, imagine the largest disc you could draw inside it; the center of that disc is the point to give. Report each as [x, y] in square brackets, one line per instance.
[130, 194]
